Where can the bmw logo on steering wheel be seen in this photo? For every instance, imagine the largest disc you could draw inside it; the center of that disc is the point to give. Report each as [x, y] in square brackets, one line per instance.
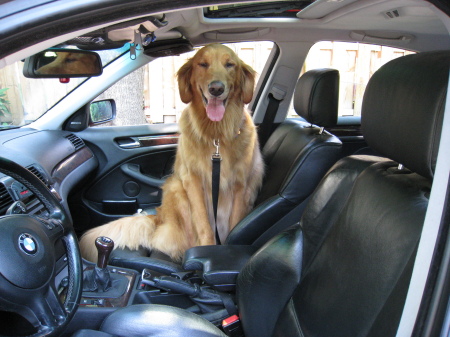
[28, 243]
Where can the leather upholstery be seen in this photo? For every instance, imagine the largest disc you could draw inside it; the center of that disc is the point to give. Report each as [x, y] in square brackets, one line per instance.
[360, 229]
[412, 95]
[220, 265]
[297, 156]
[274, 271]
[159, 319]
[143, 320]
[317, 95]
[364, 260]
[344, 269]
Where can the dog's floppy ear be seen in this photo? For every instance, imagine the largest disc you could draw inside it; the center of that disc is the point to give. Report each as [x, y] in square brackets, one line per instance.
[248, 76]
[184, 84]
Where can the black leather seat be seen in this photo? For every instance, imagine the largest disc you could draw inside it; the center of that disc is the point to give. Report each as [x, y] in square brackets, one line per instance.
[344, 269]
[297, 155]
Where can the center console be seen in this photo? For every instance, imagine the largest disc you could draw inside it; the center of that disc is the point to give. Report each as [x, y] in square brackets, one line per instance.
[206, 287]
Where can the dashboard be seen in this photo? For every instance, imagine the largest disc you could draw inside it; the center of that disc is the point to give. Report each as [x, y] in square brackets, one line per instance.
[60, 159]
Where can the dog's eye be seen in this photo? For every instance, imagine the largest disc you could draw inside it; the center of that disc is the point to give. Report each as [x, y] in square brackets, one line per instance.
[203, 65]
[229, 65]
[69, 60]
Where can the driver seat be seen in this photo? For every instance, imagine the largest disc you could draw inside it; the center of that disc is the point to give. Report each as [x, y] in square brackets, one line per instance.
[345, 268]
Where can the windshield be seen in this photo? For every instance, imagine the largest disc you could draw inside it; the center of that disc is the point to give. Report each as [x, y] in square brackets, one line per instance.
[23, 100]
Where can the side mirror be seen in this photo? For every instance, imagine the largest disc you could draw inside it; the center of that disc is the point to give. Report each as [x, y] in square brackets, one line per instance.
[102, 111]
[63, 63]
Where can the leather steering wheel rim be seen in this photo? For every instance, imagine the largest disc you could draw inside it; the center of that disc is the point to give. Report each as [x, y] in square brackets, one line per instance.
[35, 297]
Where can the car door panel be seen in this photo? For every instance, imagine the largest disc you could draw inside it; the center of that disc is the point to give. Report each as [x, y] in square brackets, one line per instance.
[134, 162]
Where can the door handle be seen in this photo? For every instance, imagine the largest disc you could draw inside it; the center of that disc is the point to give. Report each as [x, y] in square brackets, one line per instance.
[129, 143]
[134, 171]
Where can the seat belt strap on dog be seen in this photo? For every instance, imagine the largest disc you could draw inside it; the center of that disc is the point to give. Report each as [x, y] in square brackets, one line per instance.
[276, 95]
[215, 183]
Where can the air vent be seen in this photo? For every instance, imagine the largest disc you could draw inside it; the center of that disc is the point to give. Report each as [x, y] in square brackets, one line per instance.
[76, 141]
[392, 14]
[37, 173]
[5, 198]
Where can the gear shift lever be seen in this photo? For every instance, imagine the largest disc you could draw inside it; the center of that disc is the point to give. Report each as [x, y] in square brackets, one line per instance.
[98, 279]
[104, 247]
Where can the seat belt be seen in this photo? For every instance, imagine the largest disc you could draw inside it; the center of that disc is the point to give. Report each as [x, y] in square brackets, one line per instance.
[275, 97]
[215, 183]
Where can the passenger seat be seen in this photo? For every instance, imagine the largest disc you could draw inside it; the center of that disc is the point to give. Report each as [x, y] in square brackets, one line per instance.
[297, 155]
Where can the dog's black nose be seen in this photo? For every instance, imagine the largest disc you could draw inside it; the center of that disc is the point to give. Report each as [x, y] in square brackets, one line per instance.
[216, 88]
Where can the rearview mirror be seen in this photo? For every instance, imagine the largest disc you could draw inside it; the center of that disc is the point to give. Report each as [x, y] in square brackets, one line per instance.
[63, 63]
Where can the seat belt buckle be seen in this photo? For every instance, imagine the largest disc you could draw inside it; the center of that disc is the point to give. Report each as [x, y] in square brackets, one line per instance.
[232, 326]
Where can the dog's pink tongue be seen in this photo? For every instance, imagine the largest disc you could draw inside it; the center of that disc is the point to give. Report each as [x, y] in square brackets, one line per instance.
[215, 109]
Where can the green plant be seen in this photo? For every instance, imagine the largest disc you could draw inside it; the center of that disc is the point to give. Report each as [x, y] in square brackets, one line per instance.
[4, 103]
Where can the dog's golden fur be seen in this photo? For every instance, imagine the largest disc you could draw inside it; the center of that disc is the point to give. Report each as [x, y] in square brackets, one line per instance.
[185, 217]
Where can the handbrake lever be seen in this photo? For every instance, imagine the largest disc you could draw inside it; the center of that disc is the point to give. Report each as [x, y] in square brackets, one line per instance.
[207, 299]
[170, 283]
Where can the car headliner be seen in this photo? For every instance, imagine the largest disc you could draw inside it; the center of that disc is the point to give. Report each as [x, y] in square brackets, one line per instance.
[64, 19]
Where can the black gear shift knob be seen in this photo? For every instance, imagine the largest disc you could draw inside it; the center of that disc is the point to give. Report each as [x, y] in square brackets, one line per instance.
[104, 246]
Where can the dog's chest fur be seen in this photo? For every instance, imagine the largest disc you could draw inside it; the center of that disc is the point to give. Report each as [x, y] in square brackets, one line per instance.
[236, 150]
[241, 160]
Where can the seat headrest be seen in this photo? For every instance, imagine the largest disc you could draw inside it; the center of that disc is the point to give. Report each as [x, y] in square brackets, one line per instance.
[403, 108]
[316, 96]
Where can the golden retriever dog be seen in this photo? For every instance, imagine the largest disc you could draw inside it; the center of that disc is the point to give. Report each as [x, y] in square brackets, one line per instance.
[71, 63]
[216, 84]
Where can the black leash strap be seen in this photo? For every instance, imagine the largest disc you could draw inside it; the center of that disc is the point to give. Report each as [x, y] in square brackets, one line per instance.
[216, 159]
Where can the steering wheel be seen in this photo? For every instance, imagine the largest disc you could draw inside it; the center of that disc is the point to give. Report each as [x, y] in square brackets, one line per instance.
[28, 260]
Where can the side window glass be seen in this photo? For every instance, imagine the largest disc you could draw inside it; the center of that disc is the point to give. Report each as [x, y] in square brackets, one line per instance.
[149, 95]
[356, 63]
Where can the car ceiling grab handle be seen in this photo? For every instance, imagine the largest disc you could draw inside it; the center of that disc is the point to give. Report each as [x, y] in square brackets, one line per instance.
[363, 36]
